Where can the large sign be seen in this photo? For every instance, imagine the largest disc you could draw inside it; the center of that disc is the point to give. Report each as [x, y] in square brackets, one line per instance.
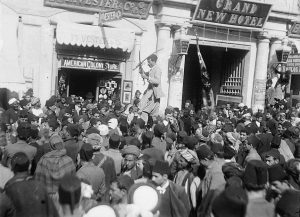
[131, 8]
[232, 12]
[87, 64]
[295, 30]
[293, 64]
[110, 15]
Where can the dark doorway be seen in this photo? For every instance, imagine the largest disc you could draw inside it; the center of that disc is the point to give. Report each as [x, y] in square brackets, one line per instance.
[221, 63]
[82, 81]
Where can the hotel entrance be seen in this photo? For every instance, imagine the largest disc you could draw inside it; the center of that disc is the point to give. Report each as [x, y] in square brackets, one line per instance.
[225, 68]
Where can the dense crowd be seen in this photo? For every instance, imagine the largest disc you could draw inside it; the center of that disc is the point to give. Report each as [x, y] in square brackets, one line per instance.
[76, 157]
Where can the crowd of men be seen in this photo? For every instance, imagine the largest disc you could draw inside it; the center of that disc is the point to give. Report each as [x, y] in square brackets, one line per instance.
[76, 157]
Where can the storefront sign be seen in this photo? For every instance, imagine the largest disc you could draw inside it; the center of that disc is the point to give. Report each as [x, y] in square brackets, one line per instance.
[293, 64]
[110, 15]
[89, 64]
[232, 12]
[295, 29]
[131, 8]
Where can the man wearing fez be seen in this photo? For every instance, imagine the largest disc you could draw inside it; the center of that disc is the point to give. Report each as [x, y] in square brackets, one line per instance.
[149, 104]
[174, 200]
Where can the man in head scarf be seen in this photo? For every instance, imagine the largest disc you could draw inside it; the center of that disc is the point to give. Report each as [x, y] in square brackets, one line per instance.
[129, 164]
[54, 165]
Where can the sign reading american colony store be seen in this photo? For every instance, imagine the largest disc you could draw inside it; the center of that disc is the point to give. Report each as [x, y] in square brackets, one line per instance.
[232, 12]
[76, 63]
[130, 8]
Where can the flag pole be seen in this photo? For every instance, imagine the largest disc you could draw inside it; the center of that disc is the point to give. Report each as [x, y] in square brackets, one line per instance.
[206, 89]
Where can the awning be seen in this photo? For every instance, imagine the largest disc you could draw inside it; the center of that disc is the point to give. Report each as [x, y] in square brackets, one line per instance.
[94, 36]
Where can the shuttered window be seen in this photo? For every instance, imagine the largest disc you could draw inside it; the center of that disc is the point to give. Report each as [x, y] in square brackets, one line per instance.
[232, 76]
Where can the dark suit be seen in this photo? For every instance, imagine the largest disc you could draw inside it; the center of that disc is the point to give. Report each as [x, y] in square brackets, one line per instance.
[174, 202]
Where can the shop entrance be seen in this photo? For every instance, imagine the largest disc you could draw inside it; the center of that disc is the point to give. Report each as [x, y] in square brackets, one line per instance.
[80, 82]
[225, 68]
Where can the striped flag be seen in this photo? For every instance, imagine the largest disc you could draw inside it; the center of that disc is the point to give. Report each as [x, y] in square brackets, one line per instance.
[203, 69]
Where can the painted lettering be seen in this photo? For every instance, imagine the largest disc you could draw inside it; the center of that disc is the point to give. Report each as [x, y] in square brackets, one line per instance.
[241, 20]
[247, 20]
[131, 7]
[246, 7]
[296, 29]
[220, 17]
[253, 21]
[102, 2]
[233, 18]
[127, 6]
[115, 4]
[219, 4]
[108, 4]
[237, 8]
[253, 9]
[209, 16]
[201, 14]
[228, 6]
[260, 22]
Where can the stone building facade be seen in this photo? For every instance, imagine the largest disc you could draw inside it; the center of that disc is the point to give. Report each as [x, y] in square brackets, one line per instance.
[43, 45]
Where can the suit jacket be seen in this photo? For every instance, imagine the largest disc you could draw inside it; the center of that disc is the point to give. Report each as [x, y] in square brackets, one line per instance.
[155, 82]
[179, 201]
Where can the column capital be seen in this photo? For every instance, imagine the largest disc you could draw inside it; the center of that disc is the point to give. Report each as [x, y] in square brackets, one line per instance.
[275, 39]
[263, 37]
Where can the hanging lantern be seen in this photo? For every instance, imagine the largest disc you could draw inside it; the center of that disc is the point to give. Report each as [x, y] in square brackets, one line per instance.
[283, 52]
[182, 45]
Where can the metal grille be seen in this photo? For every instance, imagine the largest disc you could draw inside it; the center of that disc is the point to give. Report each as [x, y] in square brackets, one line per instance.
[232, 77]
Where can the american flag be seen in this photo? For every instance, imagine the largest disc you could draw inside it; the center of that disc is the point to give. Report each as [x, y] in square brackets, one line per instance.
[203, 69]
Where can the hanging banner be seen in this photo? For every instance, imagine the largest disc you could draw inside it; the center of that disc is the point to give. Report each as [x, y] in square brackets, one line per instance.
[232, 12]
[131, 8]
[77, 63]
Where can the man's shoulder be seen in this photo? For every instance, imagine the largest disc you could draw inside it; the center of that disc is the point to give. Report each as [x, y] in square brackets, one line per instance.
[61, 154]
[156, 68]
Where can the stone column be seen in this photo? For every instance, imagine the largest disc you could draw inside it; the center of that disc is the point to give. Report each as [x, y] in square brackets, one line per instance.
[164, 46]
[260, 73]
[177, 73]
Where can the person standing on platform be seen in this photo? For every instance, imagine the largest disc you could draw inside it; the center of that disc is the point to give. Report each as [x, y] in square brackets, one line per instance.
[149, 104]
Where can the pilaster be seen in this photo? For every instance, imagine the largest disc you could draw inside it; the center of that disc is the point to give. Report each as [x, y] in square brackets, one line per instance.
[164, 48]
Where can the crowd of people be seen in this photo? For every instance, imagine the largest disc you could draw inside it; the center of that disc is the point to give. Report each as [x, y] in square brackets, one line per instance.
[76, 157]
